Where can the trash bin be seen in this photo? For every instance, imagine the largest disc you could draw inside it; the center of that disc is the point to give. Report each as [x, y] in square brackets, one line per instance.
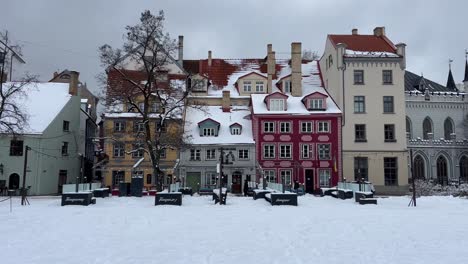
[137, 186]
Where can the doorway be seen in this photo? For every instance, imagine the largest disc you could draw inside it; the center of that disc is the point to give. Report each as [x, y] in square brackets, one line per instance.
[236, 186]
[309, 181]
[193, 180]
[62, 179]
[14, 181]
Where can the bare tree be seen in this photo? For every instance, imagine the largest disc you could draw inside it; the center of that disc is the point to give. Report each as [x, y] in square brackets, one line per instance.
[308, 54]
[13, 118]
[139, 79]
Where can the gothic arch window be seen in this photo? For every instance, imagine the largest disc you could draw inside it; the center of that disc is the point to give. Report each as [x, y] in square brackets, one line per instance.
[427, 127]
[448, 128]
[442, 170]
[464, 169]
[408, 127]
[418, 168]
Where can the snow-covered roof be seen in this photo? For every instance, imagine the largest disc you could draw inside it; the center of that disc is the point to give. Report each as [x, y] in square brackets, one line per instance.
[42, 103]
[238, 114]
[370, 54]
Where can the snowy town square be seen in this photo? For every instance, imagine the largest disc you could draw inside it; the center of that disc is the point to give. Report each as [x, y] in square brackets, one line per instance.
[319, 229]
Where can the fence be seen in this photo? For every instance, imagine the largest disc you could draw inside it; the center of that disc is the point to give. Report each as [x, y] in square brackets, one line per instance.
[81, 187]
[356, 187]
[174, 187]
[275, 186]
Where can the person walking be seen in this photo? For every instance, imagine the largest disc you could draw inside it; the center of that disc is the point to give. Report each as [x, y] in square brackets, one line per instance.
[246, 188]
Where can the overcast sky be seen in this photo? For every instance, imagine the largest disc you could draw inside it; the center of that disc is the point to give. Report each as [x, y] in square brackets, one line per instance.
[58, 34]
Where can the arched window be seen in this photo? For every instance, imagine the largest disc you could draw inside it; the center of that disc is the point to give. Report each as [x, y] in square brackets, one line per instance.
[464, 169]
[448, 128]
[418, 168]
[442, 175]
[408, 127]
[427, 127]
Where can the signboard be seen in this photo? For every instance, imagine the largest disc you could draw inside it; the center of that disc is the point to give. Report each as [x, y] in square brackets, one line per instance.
[283, 199]
[83, 198]
[168, 198]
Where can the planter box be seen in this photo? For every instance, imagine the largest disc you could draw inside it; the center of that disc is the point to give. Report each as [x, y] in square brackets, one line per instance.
[283, 199]
[102, 193]
[83, 198]
[168, 198]
[186, 190]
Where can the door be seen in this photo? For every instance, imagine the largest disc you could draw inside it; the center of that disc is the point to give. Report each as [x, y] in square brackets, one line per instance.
[62, 180]
[236, 186]
[14, 181]
[193, 181]
[309, 181]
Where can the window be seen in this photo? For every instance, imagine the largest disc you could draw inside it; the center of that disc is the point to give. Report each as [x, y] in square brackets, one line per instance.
[141, 106]
[285, 151]
[286, 176]
[235, 130]
[287, 86]
[358, 77]
[324, 178]
[119, 126]
[210, 179]
[208, 132]
[119, 150]
[463, 164]
[137, 151]
[448, 128]
[148, 178]
[117, 177]
[418, 168]
[323, 151]
[285, 127]
[408, 127]
[195, 154]
[155, 107]
[162, 153]
[66, 126]
[360, 133]
[268, 151]
[162, 127]
[259, 86]
[388, 104]
[65, 149]
[316, 104]
[138, 127]
[305, 151]
[247, 86]
[323, 127]
[442, 172]
[270, 175]
[330, 61]
[276, 104]
[243, 154]
[387, 77]
[389, 133]
[268, 127]
[361, 168]
[359, 104]
[390, 171]
[211, 154]
[427, 127]
[16, 148]
[306, 127]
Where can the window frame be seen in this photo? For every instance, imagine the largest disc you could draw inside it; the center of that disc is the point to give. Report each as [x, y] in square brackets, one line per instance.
[287, 153]
[120, 147]
[364, 132]
[16, 148]
[327, 126]
[356, 75]
[287, 174]
[385, 77]
[270, 175]
[316, 104]
[361, 168]
[66, 126]
[328, 151]
[277, 104]
[271, 151]
[271, 128]
[119, 126]
[307, 123]
[210, 154]
[259, 84]
[287, 127]
[328, 177]
[359, 105]
[389, 130]
[243, 154]
[195, 154]
[247, 84]
[65, 145]
[390, 172]
[388, 104]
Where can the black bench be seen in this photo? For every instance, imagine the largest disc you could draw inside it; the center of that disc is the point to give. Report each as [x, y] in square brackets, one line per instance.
[186, 190]
[368, 201]
[204, 191]
[360, 195]
[260, 194]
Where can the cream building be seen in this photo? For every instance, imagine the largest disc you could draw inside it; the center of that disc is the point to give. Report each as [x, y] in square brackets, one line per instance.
[365, 75]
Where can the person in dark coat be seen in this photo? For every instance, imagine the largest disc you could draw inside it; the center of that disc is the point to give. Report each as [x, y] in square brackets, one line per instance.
[246, 188]
[296, 185]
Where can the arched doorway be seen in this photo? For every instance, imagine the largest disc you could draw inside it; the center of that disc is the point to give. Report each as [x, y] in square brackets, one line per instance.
[442, 173]
[418, 168]
[464, 169]
[14, 181]
[236, 186]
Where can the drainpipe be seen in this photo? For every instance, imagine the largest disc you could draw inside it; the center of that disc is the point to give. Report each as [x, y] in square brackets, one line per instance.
[342, 67]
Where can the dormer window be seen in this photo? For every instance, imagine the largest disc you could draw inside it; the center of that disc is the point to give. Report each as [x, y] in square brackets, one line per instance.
[235, 130]
[316, 104]
[247, 86]
[258, 86]
[287, 86]
[276, 104]
[208, 132]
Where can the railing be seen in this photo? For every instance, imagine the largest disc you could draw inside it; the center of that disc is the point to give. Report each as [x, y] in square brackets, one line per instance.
[437, 142]
[82, 187]
[275, 186]
[356, 187]
[174, 187]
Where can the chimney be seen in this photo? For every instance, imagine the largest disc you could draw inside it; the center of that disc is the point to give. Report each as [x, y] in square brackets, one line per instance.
[226, 104]
[379, 31]
[271, 64]
[401, 51]
[341, 51]
[181, 50]
[354, 31]
[296, 71]
[55, 74]
[209, 58]
[73, 85]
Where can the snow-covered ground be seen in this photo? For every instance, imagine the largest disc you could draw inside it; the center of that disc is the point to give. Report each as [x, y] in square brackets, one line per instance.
[319, 230]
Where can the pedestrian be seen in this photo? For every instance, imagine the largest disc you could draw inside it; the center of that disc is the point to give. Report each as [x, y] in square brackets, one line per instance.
[296, 185]
[246, 188]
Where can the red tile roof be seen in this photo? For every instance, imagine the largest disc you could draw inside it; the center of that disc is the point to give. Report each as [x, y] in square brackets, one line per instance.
[364, 42]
